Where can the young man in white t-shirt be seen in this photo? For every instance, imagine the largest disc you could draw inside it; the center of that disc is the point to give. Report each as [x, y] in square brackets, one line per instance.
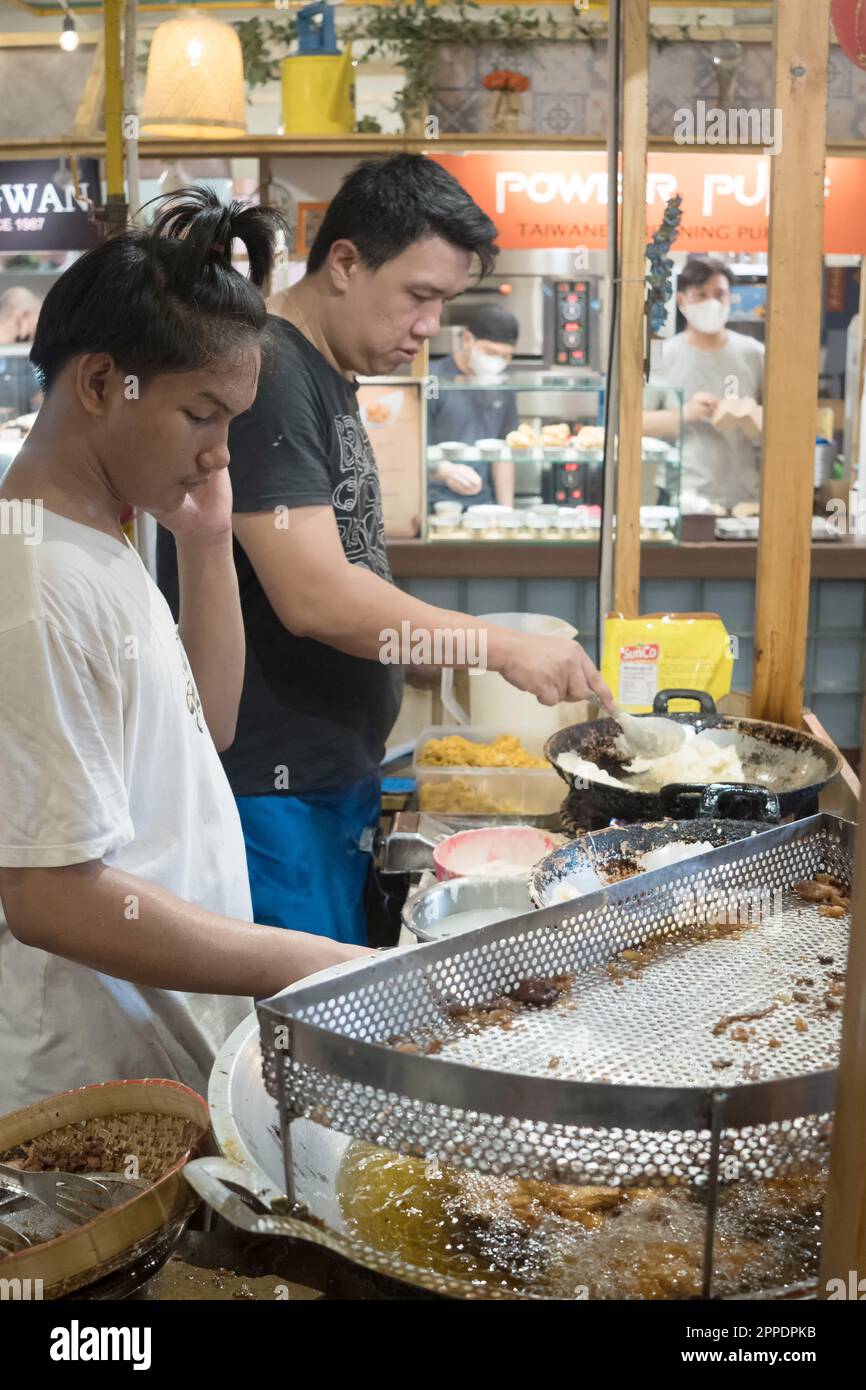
[126, 945]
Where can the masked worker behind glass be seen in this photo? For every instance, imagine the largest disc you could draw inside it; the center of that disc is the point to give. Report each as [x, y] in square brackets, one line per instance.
[709, 362]
[20, 392]
[467, 415]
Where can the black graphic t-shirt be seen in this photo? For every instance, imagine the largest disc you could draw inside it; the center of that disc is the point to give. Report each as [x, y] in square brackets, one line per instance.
[307, 708]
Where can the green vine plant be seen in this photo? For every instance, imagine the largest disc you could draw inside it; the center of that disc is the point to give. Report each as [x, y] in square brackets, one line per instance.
[685, 32]
[264, 44]
[411, 33]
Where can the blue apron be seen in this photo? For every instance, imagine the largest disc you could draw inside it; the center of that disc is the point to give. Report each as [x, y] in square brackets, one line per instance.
[307, 870]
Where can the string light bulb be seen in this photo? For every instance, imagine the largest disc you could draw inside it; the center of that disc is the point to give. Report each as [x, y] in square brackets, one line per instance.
[69, 35]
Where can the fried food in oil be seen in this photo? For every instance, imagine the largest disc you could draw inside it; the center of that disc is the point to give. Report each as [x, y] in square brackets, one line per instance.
[523, 1236]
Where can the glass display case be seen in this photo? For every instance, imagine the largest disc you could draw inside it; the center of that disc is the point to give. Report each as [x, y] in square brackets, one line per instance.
[519, 458]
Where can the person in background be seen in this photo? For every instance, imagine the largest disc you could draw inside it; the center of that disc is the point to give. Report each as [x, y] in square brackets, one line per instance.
[484, 353]
[127, 946]
[19, 312]
[399, 240]
[20, 392]
[709, 362]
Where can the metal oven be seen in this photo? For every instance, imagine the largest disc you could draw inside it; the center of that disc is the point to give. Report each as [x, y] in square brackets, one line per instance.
[557, 306]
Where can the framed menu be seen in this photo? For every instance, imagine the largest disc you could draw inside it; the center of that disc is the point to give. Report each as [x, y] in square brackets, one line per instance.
[393, 412]
[309, 221]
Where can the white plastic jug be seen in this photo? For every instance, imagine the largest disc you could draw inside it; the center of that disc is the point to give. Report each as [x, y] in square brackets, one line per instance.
[499, 707]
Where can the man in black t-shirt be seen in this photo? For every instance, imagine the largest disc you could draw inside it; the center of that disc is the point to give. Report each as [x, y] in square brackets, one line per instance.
[320, 691]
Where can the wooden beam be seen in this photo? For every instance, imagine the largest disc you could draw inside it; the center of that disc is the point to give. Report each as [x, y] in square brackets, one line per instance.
[113, 101]
[632, 312]
[356, 145]
[51, 11]
[44, 40]
[421, 364]
[791, 380]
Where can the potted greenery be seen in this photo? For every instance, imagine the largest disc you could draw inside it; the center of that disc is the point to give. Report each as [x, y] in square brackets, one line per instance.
[415, 36]
[412, 35]
[508, 87]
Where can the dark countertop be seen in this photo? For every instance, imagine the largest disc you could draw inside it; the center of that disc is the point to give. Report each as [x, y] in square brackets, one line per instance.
[228, 1265]
[416, 559]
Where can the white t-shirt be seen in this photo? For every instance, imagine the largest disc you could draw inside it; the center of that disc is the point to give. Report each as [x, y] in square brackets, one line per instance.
[104, 754]
[720, 466]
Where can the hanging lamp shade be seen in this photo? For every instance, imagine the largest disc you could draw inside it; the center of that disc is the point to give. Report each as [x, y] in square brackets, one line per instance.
[195, 80]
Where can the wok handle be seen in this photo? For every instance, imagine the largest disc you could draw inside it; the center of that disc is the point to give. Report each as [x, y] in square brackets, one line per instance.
[761, 803]
[664, 697]
[678, 798]
[209, 1177]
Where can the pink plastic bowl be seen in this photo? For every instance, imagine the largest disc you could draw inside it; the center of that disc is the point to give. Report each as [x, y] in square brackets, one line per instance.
[474, 851]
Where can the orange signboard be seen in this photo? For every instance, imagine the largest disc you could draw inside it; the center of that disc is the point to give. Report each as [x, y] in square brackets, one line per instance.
[545, 199]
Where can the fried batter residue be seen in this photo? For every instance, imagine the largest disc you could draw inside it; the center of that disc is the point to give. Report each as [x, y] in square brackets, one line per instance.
[530, 993]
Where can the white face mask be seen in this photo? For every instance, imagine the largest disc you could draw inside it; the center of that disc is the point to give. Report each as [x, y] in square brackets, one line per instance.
[707, 315]
[485, 363]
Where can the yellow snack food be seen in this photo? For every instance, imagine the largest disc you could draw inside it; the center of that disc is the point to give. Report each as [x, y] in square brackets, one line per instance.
[456, 751]
[462, 797]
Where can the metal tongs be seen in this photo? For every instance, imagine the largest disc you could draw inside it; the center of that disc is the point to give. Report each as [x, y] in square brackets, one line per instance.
[12, 1241]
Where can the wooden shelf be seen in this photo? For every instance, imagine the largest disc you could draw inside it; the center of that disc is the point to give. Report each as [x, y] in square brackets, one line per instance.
[356, 145]
[843, 559]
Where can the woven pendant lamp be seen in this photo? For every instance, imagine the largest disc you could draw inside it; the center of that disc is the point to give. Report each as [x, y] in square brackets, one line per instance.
[195, 80]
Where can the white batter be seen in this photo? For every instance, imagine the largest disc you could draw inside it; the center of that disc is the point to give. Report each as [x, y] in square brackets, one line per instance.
[701, 758]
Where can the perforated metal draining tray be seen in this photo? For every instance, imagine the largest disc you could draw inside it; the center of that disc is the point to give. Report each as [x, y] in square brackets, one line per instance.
[616, 1083]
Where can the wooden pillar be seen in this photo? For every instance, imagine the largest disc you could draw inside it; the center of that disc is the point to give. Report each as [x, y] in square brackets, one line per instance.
[113, 100]
[632, 321]
[421, 363]
[802, 36]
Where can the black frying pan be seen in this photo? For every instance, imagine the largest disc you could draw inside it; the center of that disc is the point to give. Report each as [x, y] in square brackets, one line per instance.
[793, 765]
[614, 853]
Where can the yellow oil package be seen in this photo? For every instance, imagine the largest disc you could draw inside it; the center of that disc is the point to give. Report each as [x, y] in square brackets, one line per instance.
[665, 651]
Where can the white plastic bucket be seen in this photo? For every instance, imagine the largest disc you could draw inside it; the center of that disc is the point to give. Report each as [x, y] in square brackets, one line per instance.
[495, 704]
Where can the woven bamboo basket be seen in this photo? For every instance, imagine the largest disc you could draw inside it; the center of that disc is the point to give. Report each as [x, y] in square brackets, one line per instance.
[161, 1123]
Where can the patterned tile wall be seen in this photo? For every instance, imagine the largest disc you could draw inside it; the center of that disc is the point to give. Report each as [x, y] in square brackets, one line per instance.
[568, 95]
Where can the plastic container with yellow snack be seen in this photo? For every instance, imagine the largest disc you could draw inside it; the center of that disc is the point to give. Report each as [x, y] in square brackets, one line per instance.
[469, 771]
